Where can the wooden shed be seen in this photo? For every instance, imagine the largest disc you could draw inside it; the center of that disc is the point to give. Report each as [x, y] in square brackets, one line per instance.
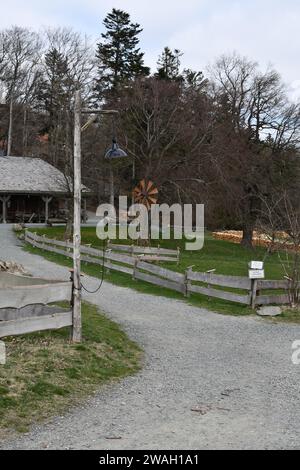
[32, 190]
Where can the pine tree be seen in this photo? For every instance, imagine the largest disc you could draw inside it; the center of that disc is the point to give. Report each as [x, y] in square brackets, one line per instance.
[53, 89]
[194, 80]
[168, 65]
[120, 58]
[56, 92]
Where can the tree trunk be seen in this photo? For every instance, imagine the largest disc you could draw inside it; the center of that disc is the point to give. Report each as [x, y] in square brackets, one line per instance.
[133, 179]
[10, 128]
[111, 186]
[25, 132]
[247, 240]
[68, 235]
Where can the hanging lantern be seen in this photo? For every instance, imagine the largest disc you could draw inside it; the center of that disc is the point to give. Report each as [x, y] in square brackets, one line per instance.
[115, 152]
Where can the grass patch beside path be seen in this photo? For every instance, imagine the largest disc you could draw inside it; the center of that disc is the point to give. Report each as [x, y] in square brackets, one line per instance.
[45, 374]
[288, 315]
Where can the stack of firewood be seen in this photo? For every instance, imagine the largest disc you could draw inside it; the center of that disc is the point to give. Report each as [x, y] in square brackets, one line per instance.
[11, 267]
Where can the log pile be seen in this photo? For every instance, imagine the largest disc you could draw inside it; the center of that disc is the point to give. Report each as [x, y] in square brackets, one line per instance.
[11, 267]
[259, 239]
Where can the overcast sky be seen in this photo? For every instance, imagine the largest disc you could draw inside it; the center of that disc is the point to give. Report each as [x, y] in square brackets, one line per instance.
[264, 30]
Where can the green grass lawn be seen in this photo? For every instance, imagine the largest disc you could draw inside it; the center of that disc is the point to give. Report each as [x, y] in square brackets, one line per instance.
[227, 258]
[45, 373]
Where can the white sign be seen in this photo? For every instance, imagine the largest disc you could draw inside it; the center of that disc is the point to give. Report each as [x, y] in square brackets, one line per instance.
[256, 273]
[256, 265]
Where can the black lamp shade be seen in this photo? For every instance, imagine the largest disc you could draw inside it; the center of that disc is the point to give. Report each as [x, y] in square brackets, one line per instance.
[115, 152]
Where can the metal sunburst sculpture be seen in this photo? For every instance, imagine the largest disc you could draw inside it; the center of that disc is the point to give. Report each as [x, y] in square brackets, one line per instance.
[145, 193]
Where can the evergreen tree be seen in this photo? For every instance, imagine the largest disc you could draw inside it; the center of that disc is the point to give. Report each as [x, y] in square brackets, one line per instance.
[120, 58]
[55, 97]
[168, 65]
[54, 89]
[194, 80]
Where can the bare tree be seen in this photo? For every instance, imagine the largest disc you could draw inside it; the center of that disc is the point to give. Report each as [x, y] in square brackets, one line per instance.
[23, 48]
[254, 122]
[280, 220]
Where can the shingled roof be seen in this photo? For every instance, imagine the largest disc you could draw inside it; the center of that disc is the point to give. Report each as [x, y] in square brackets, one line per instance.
[25, 175]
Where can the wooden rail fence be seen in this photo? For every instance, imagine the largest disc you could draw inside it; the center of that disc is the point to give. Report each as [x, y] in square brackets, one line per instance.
[147, 253]
[24, 304]
[237, 289]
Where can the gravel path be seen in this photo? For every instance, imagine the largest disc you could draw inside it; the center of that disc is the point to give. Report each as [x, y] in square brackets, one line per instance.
[235, 373]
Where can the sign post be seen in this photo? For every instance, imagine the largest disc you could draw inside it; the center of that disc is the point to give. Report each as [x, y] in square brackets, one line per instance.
[256, 272]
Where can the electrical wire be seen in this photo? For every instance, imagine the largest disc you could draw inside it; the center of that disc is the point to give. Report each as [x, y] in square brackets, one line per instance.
[102, 274]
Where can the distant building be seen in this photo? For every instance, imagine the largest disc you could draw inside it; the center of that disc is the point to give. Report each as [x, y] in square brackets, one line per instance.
[32, 190]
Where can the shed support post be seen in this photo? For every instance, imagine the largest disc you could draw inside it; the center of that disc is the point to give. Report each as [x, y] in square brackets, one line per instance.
[47, 200]
[4, 200]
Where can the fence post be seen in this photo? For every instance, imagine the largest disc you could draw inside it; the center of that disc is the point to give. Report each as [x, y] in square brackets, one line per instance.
[108, 262]
[158, 250]
[178, 255]
[253, 293]
[134, 270]
[187, 282]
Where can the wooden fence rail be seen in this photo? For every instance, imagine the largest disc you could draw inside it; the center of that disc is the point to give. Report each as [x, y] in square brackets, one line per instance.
[24, 304]
[241, 290]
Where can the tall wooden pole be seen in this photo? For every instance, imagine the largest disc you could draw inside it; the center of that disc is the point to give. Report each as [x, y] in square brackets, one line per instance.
[76, 333]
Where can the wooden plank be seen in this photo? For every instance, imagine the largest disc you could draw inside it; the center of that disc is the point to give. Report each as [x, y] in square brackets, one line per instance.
[156, 251]
[265, 284]
[160, 282]
[119, 268]
[29, 235]
[162, 272]
[15, 280]
[92, 251]
[29, 325]
[107, 264]
[51, 241]
[126, 248]
[51, 249]
[220, 280]
[19, 297]
[157, 258]
[120, 258]
[272, 299]
[140, 249]
[219, 294]
[7, 314]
